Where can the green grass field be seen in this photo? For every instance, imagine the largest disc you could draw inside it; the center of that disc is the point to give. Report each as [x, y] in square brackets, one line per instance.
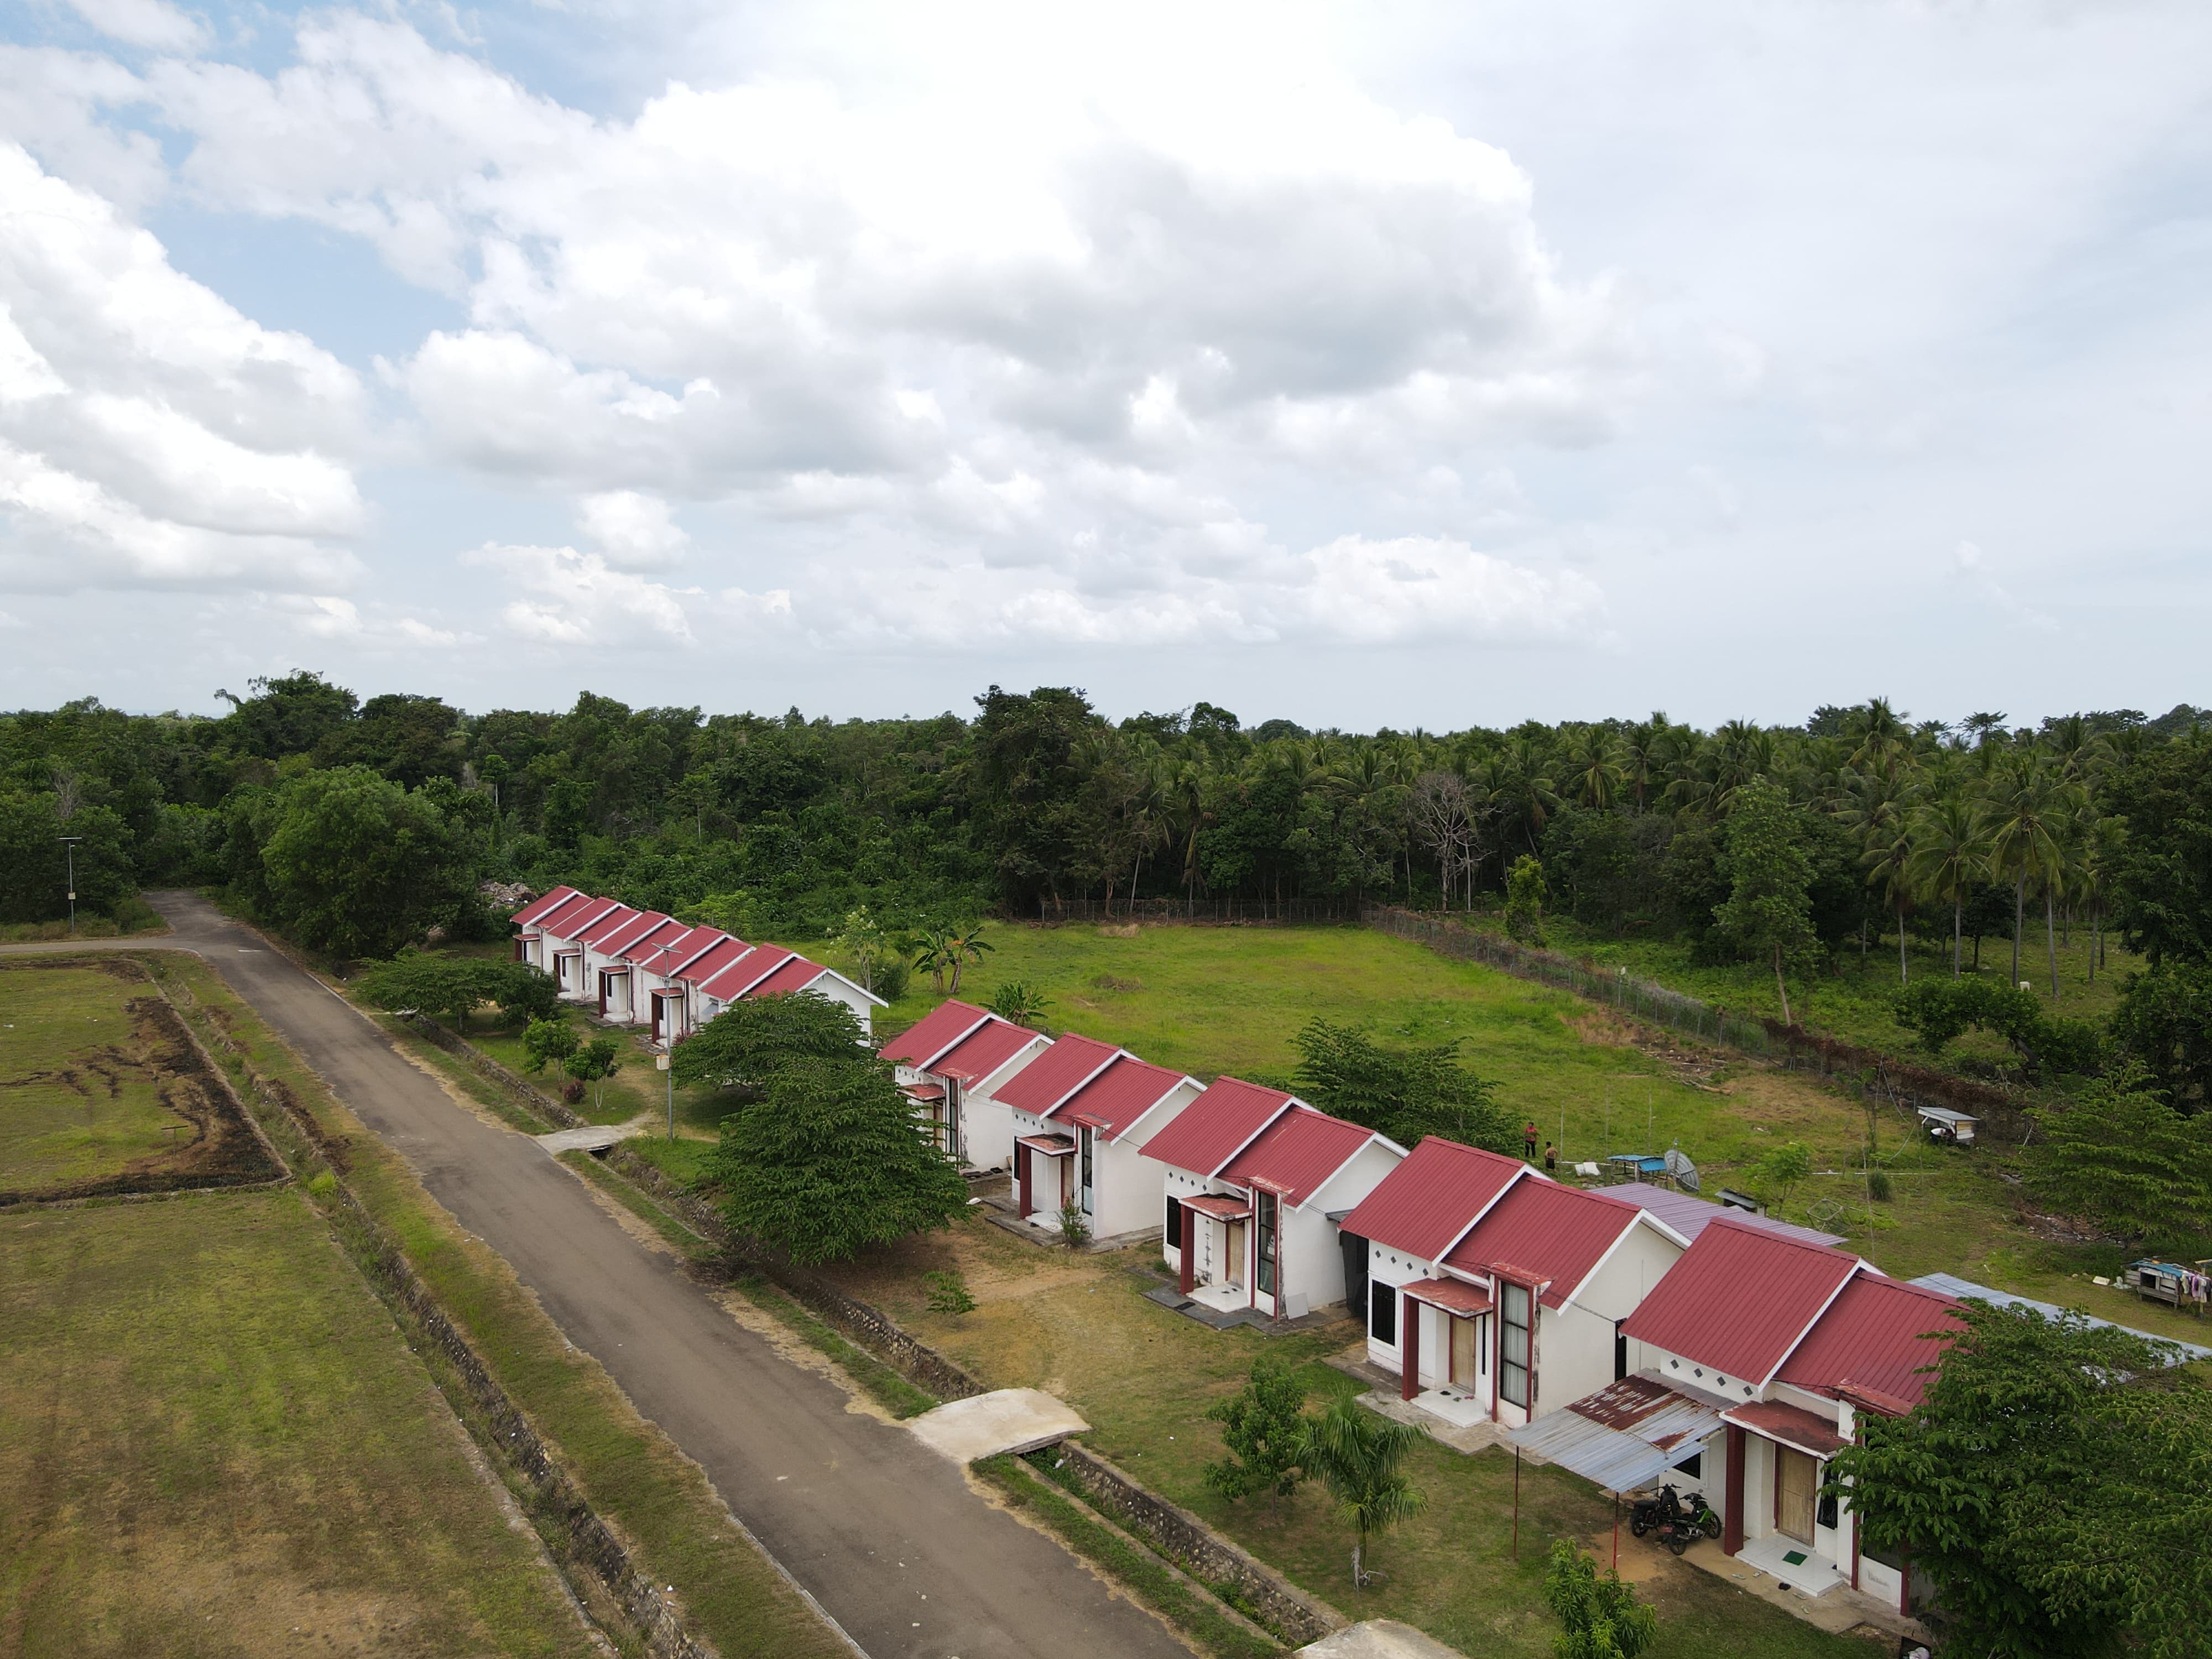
[216, 1442]
[78, 1097]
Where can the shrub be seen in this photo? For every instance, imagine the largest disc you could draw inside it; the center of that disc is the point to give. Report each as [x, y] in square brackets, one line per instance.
[949, 1293]
[1878, 1186]
[1264, 1429]
[1074, 1227]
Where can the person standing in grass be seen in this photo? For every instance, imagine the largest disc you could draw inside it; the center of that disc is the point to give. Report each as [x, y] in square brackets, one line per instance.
[1528, 1142]
[1551, 1158]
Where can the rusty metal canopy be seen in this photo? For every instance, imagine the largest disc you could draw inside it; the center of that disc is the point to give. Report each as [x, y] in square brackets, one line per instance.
[1627, 1434]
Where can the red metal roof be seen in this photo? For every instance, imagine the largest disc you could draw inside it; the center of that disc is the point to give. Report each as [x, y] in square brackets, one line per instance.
[578, 913]
[1791, 1424]
[640, 925]
[608, 925]
[1115, 1099]
[974, 1058]
[1739, 1299]
[682, 944]
[1428, 1201]
[1556, 1234]
[1296, 1153]
[742, 973]
[1452, 1295]
[796, 974]
[1872, 1338]
[1214, 1128]
[544, 905]
[1053, 1075]
[717, 958]
[934, 1032]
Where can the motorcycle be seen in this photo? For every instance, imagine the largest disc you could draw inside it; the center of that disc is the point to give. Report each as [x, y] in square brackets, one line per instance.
[1679, 1522]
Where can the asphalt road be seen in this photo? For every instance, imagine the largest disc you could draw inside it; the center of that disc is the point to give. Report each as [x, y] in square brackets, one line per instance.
[885, 1533]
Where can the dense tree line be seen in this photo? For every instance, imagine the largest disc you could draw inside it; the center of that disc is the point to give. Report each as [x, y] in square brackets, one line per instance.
[359, 825]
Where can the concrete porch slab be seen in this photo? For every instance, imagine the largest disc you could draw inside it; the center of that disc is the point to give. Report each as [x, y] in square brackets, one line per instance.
[1460, 1438]
[1004, 1420]
[1378, 1639]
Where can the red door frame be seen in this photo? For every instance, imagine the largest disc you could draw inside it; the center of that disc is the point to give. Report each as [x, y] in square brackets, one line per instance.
[1188, 1276]
[1022, 1161]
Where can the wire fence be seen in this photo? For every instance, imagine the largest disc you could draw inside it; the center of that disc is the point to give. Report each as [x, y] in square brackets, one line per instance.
[1224, 911]
[1863, 1071]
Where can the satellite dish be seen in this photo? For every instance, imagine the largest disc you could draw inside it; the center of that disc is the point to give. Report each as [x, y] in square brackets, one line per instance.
[1680, 1167]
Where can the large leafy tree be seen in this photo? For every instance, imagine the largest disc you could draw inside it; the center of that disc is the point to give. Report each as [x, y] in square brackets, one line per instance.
[2161, 875]
[745, 1045]
[1404, 1093]
[1768, 912]
[454, 988]
[829, 1161]
[353, 864]
[2123, 1157]
[2055, 1483]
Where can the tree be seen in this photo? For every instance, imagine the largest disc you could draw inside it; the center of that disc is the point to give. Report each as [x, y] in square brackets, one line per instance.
[1019, 1001]
[1767, 912]
[2119, 1156]
[1264, 1428]
[548, 1042]
[1600, 1617]
[867, 947]
[2055, 1482]
[1360, 1456]
[2163, 1021]
[965, 947]
[2161, 875]
[1784, 1167]
[594, 1062]
[2029, 818]
[1403, 1093]
[34, 868]
[749, 1041]
[1525, 893]
[357, 866]
[1950, 852]
[453, 987]
[829, 1161]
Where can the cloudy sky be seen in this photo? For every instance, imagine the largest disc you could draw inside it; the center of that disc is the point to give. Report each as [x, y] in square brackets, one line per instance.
[1398, 363]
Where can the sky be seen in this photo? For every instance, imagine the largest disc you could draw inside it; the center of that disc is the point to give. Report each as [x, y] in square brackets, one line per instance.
[1394, 364]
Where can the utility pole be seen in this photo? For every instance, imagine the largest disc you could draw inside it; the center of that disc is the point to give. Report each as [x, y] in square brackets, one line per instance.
[68, 846]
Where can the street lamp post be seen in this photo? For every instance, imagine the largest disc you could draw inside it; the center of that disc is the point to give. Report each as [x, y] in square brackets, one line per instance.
[68, 846]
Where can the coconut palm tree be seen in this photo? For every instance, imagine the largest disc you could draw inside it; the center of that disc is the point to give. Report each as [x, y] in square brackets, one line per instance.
[1950, 851]
[1592, 774]
[2029, 818]
[1888, 858]
[1359, 1456]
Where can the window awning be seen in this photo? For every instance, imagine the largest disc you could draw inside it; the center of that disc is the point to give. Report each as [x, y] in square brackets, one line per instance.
[1050, 1145]
[924, 1091]
[1453, 1296]
[1220, 1208]
[1628, 1434]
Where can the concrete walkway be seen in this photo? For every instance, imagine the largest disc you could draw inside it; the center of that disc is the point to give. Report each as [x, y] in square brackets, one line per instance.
[884, 1531]
[1004, 1420]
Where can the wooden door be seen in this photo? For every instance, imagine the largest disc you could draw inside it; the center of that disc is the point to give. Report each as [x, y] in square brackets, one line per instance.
[1797, 1480]
[1233, 1268]
[1462, 1353]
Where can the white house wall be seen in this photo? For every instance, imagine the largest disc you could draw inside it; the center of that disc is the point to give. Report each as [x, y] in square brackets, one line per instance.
[1160, 1117]
[1122, 1188]
[1392, 1267]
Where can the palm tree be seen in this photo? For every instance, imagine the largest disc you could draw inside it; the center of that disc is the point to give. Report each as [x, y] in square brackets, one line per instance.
[1593, 772]
[1888, 858]
[964, 945]
[2097, 847]
[1357, 1455]
[2027, 818]
[1950, 851]
[1874, 808]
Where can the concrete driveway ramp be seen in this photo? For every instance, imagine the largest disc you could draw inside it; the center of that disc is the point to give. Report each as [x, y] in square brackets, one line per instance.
[1378, 1639]
[1004, 1420]
[593, 1137]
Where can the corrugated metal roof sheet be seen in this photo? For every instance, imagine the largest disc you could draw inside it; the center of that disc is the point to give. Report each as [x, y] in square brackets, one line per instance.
[717, 958]
[1964, 1290]
[664, 952]
[796, 974]
[1219, 1206]
[1215, 1126]
[1118, 1095]
[1556, 1233]
[544, 905]
[1687, 1214]
[608, 926]
[1627, 1434]
[934, 1032]
[1871, 1337]
[1793, 1425]
[741, 974]
[974, 1058]
[1453, 1295]
[1739, 1299]
[1298, 1152]
[574, 916]
[641, 925]
[1055, 1074]
[1426, 1202]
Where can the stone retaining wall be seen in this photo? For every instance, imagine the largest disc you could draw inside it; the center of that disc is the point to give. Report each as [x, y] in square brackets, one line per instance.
[536, 1100]
[1189, 1542]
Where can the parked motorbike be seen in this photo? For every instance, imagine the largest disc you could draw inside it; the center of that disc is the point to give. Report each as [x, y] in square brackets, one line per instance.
[1679, 1522]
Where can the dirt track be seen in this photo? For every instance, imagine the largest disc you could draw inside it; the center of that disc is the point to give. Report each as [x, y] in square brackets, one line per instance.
[886, 1535]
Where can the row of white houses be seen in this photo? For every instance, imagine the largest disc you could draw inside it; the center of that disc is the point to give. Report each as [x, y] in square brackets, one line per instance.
[635, 967]
[1631, 1334]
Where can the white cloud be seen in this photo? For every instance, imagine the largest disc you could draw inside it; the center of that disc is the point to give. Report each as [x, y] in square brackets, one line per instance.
[634, 531]
[148, 433]
[155, 24]
[329, 617]
[578, 599]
